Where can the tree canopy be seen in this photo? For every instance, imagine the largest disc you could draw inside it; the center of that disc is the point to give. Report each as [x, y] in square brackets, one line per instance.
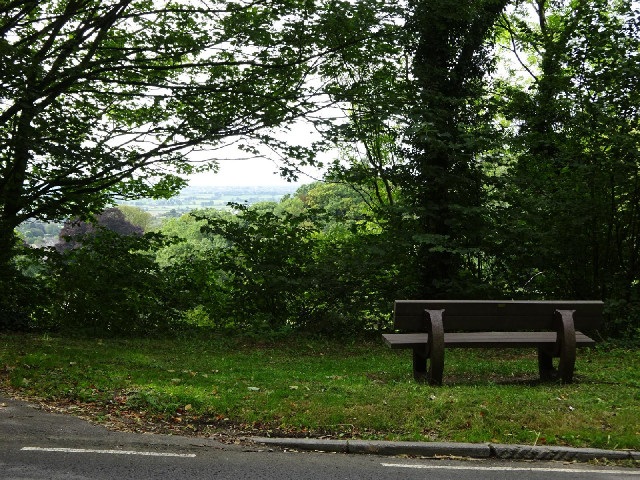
[73, 231]
[103, 99]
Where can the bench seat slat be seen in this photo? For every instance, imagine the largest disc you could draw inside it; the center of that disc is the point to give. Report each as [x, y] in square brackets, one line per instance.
[483, 339]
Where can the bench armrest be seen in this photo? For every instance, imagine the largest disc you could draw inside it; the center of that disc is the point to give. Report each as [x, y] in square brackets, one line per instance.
[566, 344]
[435, 345]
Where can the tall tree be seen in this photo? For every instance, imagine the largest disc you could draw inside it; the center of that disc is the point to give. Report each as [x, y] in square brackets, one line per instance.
[372, 89]
[573, 194]
[449, 128]
[418, 114]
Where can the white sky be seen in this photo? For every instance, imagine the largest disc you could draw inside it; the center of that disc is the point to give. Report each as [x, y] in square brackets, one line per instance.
[237, 168]
[250, 172]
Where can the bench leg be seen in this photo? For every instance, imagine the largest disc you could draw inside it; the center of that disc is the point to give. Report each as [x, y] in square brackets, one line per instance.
[436, 369]
[545, 364]
[566, 344]
[566, 366]
[436, 346]
[565, 348]
[420, 363]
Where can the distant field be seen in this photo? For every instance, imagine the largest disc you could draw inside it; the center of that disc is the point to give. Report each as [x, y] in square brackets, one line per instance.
[38, 233]
[193, 198]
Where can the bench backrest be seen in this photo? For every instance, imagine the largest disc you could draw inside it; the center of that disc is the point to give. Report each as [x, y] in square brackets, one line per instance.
[492, 315]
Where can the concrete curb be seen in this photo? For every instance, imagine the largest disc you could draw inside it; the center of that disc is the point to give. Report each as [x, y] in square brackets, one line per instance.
[424, 449]
[527, 452]
[433, 449]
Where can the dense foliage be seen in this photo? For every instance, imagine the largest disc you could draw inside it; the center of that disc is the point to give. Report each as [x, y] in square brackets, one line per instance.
[110, 99]
[314, 261]
[571, 195]
[75, 231]
[489, 149]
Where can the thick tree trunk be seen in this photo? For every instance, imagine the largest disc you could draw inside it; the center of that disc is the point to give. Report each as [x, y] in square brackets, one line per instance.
[449, 63]
[11, 204]
[6, 247]
[8, 313]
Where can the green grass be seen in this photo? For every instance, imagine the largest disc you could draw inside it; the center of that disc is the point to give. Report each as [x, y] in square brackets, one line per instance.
[305, 387]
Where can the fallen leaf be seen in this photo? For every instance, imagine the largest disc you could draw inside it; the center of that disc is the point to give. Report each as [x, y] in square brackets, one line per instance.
[4, 404]
[293, 387]
[188, 407]
[253, 389]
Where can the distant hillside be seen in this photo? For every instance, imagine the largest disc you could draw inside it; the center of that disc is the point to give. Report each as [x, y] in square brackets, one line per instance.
[39, 233]
[192, 198]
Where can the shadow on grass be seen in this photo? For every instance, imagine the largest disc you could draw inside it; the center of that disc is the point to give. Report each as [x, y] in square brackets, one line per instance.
[524, 380]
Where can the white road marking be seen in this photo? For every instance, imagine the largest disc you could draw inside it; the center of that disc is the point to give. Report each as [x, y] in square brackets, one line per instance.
[108, 452]
[513, 469]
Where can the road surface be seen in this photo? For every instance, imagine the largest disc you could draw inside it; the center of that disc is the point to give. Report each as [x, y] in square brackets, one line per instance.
[38, 445]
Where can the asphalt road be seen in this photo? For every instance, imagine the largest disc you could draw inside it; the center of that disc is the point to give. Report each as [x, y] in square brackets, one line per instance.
[39, 445]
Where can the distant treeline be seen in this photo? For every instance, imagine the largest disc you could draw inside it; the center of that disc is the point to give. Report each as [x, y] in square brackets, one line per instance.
[191, 198]
[39, 233]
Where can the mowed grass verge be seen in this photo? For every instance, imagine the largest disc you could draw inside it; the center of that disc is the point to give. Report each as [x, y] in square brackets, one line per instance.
[302, 387]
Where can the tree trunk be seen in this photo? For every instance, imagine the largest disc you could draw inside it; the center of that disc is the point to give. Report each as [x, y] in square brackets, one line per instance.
[450, 60]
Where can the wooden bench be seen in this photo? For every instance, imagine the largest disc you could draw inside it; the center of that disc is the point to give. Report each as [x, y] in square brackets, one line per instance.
[430, 326]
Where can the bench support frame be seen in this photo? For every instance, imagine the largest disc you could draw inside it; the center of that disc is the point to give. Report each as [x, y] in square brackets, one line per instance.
[565, 349]
[433, 351]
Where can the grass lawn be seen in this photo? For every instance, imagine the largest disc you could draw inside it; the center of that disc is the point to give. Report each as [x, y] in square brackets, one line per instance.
[317, 388]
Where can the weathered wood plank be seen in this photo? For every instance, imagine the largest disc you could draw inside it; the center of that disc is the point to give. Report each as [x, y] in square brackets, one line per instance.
[501, 323]
[483, 315]
[405, 340]
[497, 307]
[483, 339]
